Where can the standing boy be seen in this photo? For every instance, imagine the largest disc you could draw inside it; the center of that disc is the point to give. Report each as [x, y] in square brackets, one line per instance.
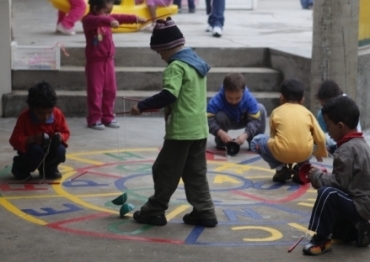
[183, 154]
[343, 195]
[294, 131]
[37, 124]
[234, 107]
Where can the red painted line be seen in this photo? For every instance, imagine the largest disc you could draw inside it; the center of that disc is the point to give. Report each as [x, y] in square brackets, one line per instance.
[294, 245]
[103, 174]
[79, 175]
[59, 226]
[301, 191]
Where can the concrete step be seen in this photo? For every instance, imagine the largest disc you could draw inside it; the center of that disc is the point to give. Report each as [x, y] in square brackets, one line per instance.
[73, 103]
[145, 57]
[144, 78]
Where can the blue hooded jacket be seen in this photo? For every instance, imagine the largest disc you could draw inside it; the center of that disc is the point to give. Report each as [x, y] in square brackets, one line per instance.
[189, 57]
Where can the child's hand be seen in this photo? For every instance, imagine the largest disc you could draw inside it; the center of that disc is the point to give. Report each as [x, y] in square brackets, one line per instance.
[135, 110]
[319, 159]
[224, 136]
[58, 136]
[141, 20]
[37, 139]
[114, 24]
[241, 139]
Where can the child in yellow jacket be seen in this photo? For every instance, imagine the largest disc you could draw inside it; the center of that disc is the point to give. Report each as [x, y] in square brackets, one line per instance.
[294, 132]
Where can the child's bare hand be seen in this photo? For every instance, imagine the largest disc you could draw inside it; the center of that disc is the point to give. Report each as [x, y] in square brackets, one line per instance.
[135, 110]
[224, 136]
[141, 20]
[319, 159]
[312, 170]
[241, 139]
[114, 24]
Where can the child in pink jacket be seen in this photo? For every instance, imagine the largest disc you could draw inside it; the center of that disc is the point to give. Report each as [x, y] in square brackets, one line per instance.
[99, 68]
[66, 22]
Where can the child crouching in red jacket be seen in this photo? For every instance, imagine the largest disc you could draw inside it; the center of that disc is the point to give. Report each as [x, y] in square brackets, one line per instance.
[40, 135]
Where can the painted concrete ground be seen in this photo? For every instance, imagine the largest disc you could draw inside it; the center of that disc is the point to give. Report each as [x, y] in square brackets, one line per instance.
[256, 216]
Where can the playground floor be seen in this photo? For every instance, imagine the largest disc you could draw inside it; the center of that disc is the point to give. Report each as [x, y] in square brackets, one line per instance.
[75, 220]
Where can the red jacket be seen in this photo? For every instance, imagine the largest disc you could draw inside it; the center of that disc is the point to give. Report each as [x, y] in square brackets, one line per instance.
[98, 34]
[27, 126]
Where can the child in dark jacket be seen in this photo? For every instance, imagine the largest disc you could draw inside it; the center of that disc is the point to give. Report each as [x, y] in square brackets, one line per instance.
[234, 107]
[40, 135]
[343, 195]
[99, 69]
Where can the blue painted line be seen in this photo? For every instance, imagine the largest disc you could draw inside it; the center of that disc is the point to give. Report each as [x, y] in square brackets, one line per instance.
[251, 160]
[194, 235]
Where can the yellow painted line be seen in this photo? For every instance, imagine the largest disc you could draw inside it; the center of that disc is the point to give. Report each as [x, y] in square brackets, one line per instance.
[85, 160]
[275, 234]
[301, 228]
[311, 199]
[176, 211]
[16, 211]
[100, 195]
[312, 191]
[113, 151]
[305, 204]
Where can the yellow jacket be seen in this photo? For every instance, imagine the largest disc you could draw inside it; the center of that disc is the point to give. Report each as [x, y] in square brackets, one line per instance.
[294, 131]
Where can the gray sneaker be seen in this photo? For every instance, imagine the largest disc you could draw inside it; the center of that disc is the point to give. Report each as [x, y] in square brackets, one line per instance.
[97, 126]
[113, 124]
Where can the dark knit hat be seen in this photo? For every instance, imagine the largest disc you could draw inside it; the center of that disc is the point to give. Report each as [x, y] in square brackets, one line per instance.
[166, 35]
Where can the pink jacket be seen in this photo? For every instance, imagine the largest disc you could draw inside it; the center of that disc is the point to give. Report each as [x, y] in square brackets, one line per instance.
[98, 34]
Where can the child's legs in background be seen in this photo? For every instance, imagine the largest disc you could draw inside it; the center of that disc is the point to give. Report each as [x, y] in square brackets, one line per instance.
[78, 9]
[27, 162]
[191, 4]
[259, 146]
[95, 78]
[331, 204]
[109, 93]
[216, 17]
[178, 3]
[61, 16]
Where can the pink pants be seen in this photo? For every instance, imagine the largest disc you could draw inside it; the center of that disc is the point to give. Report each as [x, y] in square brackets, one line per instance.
[101, 91]
[78, 8]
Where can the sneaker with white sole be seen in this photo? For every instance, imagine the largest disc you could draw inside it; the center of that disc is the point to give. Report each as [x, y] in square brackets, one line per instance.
[113, 124]
[209, 29]
[62, 29]
[97, 126]
[217, 31]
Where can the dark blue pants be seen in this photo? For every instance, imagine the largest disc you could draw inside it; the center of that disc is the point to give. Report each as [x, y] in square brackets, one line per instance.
[190, 4]
[27, 162]
[332, 205]
[216, 16]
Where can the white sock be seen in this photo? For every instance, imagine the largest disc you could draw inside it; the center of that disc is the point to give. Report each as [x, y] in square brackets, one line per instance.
[279, 168]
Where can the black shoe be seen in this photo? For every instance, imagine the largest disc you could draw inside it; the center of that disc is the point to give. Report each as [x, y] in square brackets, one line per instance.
[318, 245]
[50, 175]
[150, 220]
[192, 11]
[282, 175]
[295, 172]
[363, 230]
[191, 219]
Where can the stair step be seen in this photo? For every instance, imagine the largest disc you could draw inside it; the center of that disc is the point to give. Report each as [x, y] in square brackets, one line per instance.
[73, 103]
[144, 78]
[215, 57]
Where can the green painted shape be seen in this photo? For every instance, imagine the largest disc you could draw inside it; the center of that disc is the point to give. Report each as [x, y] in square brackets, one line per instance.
[5, 171]
[123, 155]
[120, 200]
[364, 42]
[114, 227]
[135, 168]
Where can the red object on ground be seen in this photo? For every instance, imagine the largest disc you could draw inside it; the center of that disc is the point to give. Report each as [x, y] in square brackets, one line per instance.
[303, 172]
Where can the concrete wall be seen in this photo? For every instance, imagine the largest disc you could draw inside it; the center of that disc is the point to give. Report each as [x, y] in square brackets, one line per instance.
[363, 87]
[5, 50]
